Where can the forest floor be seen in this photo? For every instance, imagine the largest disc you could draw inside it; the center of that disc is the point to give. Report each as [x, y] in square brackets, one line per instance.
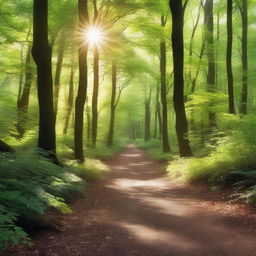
[136, 211]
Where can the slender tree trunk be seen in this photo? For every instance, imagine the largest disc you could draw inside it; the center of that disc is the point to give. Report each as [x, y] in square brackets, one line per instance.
[165, 136]
[178, 64]
[229, 57]
[82, 86]
[217, 51]
[70, 101]
[23, 102]
[42, 54]
[211, 75]
[58, 72]
[147, 133]
[95, 97]
[244, 96]
[113, 105]
[88, 117]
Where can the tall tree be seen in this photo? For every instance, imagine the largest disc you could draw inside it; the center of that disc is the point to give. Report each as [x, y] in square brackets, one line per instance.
[42, 54]
[178, 64]
[23, 101]
[229, 56]
[96, 56]
[70, 100]
[83, 82]
[165, 136]
[211, 74]
[112, 105]
[95, 96]
[147, 123]
[60, 58]
[244, 14]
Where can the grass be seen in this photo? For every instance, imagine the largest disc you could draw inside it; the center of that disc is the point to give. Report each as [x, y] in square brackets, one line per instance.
[154, 149]
[231, 163]
[30, 184]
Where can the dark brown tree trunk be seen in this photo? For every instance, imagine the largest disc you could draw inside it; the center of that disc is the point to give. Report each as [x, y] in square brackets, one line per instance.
[88, 117]
[23, 101]
[147, 132]
[42, 54]
[82, 86]
[229, 56]
[211, 75]
[58, 72]
[244, 14]
[112, 105]
[95, 97]
[70, 101]
[178, 64]
[165, 136]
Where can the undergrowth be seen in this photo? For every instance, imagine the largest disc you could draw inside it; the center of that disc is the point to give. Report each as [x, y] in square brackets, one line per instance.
[154, 149]
[231, 163]
[30, 185]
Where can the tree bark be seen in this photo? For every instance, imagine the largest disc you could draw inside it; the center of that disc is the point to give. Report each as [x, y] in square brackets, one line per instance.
[165, 136]
[82, 85]
[23, 101]
[229, 57]
[211, 75]
[147, 132]
[42, 54]
[178, 64]
[58, 72]
[95, 97]
[70, 101]
[244, 96]
[112, 105]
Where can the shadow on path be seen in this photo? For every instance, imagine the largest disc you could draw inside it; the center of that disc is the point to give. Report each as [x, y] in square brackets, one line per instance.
[136, 211]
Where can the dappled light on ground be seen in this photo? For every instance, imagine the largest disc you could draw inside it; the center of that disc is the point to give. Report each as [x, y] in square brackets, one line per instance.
[136, 211]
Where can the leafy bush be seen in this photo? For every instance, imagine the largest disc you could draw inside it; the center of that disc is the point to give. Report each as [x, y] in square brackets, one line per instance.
[29, 186]
[90, 170]
[154, 149]
[232, 162]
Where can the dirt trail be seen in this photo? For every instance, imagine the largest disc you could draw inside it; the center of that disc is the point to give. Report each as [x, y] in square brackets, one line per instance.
[136, 211]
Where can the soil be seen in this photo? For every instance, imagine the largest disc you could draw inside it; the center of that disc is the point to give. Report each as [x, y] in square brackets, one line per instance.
[136, 211]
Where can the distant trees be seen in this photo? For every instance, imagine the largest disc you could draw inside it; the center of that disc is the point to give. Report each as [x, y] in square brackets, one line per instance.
[165, 136]
[178, 65]
[229, 56]
[42, 54]
[244, 14]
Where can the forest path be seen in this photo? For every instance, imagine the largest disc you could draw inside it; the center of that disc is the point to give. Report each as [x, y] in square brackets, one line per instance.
[137, 211]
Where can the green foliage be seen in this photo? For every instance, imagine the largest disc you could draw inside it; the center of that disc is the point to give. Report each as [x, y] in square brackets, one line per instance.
[90, 170]
[232, 162]
[29, 186]
[154, 149]
[10, 233]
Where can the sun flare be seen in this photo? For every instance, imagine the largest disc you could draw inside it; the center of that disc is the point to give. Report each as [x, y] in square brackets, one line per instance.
[95, 36]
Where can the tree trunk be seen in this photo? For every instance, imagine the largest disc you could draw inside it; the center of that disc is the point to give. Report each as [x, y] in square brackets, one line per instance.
[88, 117]
[229, 57]
[23, 101]
[211, 75]
[95, 97]
[113, 105]
[42, 54]
[244, 14]
[58, 72]
[178, 64]
[70, 101]
[165, 136]
[147, 133]
[82, 86]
